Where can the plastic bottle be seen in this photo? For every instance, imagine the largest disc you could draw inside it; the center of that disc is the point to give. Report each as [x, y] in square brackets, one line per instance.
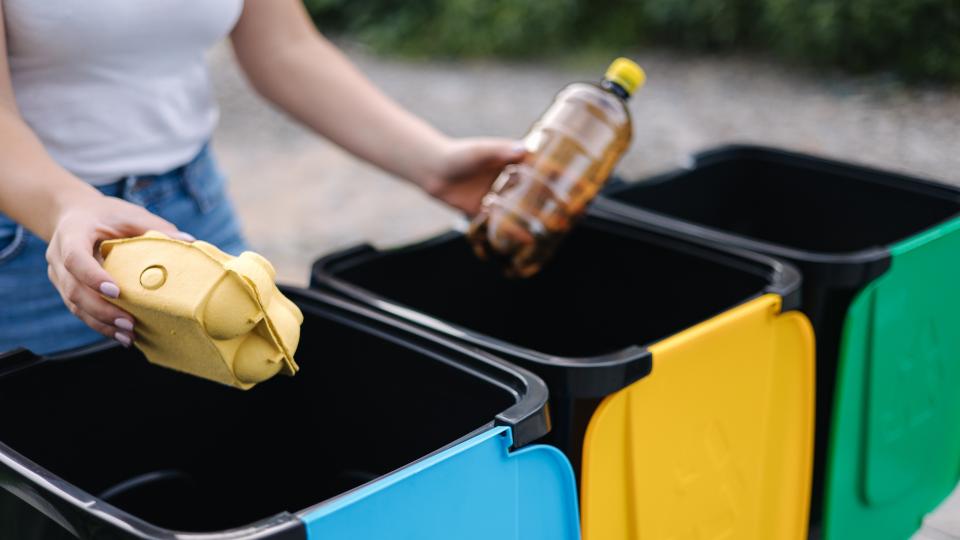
[572, 149]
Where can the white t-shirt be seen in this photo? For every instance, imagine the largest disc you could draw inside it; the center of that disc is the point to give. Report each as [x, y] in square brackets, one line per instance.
[116, 87]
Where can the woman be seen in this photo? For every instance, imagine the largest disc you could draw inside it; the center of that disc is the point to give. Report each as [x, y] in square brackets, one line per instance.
[105, 114]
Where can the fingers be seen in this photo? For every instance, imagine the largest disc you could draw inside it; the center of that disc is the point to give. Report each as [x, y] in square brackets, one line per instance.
[80, 280]
[497, 152]
[515, 152]
[124, 337]
[76, 257]
[78, 275]
[96, 307]
[91, 308]
[139, 221]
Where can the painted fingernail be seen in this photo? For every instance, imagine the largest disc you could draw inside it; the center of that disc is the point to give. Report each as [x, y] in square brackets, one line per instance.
[110, 289]
[123, 339]
[187, 237]
[519, 147]
[123, 324]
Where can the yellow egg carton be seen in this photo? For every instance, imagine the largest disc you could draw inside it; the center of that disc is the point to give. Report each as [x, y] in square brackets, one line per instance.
[204, 312]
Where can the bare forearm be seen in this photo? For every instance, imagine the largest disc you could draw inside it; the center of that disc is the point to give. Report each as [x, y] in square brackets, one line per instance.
[33, 188]
[310, 79]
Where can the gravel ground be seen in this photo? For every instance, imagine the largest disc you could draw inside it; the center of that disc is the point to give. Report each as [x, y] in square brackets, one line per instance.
[300, 196]
[944, 522]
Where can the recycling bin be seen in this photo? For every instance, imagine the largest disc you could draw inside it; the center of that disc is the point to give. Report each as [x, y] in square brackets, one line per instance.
[880, 258]
[680, 375]
[387, 431]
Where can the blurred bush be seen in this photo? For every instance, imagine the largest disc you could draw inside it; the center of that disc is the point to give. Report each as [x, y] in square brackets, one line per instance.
[915, 38]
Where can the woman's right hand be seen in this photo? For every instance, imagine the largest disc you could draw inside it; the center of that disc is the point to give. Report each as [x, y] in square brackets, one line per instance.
[73, 261]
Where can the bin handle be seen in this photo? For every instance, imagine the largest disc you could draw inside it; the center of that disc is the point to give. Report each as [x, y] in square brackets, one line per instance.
[17, 359]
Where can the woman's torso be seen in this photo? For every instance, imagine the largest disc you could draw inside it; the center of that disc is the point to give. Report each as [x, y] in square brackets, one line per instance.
[116, 87]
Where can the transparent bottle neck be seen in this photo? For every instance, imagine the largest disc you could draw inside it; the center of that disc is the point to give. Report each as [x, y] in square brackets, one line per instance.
[615, 89]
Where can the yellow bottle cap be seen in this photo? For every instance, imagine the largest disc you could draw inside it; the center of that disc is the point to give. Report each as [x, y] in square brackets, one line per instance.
[627, 74]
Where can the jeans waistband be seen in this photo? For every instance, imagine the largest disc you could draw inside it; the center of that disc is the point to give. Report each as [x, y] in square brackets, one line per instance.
[144, 189]
[133, 187]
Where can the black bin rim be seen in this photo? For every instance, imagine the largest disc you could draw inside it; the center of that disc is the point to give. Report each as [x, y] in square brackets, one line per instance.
[850, 268]
[614, 370]
[528, 420]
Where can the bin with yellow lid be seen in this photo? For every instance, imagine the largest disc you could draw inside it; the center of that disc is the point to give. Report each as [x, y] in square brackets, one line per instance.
[680, 374]
[880, 255]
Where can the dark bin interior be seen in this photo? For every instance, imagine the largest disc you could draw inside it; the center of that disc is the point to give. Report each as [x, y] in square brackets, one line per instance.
[191, 455]
[802, 204]
[603, 292]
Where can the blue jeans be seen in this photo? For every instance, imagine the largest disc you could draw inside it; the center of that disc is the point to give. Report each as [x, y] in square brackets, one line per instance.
[32, 315]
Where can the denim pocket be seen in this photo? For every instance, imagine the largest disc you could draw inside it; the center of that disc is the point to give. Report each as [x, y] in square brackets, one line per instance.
[12, 239]
[205, 182]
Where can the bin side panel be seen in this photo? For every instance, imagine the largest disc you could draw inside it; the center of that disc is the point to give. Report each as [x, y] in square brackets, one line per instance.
[716, 442]
[475, 490]
[895, 450]
[20, 519]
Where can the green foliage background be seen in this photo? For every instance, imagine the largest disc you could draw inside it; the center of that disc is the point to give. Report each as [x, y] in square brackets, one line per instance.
[918, 39]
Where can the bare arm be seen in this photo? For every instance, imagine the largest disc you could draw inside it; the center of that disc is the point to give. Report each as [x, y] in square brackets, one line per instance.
[34, 189]
[292, 65]
[67, 213]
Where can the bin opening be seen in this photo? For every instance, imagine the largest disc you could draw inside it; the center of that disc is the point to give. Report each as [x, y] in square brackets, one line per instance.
[603, 291]
[794, 204]
[190, 455]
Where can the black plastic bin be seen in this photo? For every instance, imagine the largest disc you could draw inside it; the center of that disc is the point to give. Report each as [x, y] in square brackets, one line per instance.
[876, 250]
[627, 325]
[574, 323]
[100, 444]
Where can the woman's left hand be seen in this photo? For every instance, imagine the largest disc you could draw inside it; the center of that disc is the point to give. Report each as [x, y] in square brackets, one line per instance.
[466, 168]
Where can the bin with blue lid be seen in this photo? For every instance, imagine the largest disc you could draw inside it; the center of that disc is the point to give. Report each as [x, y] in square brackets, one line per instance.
[388, 431]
